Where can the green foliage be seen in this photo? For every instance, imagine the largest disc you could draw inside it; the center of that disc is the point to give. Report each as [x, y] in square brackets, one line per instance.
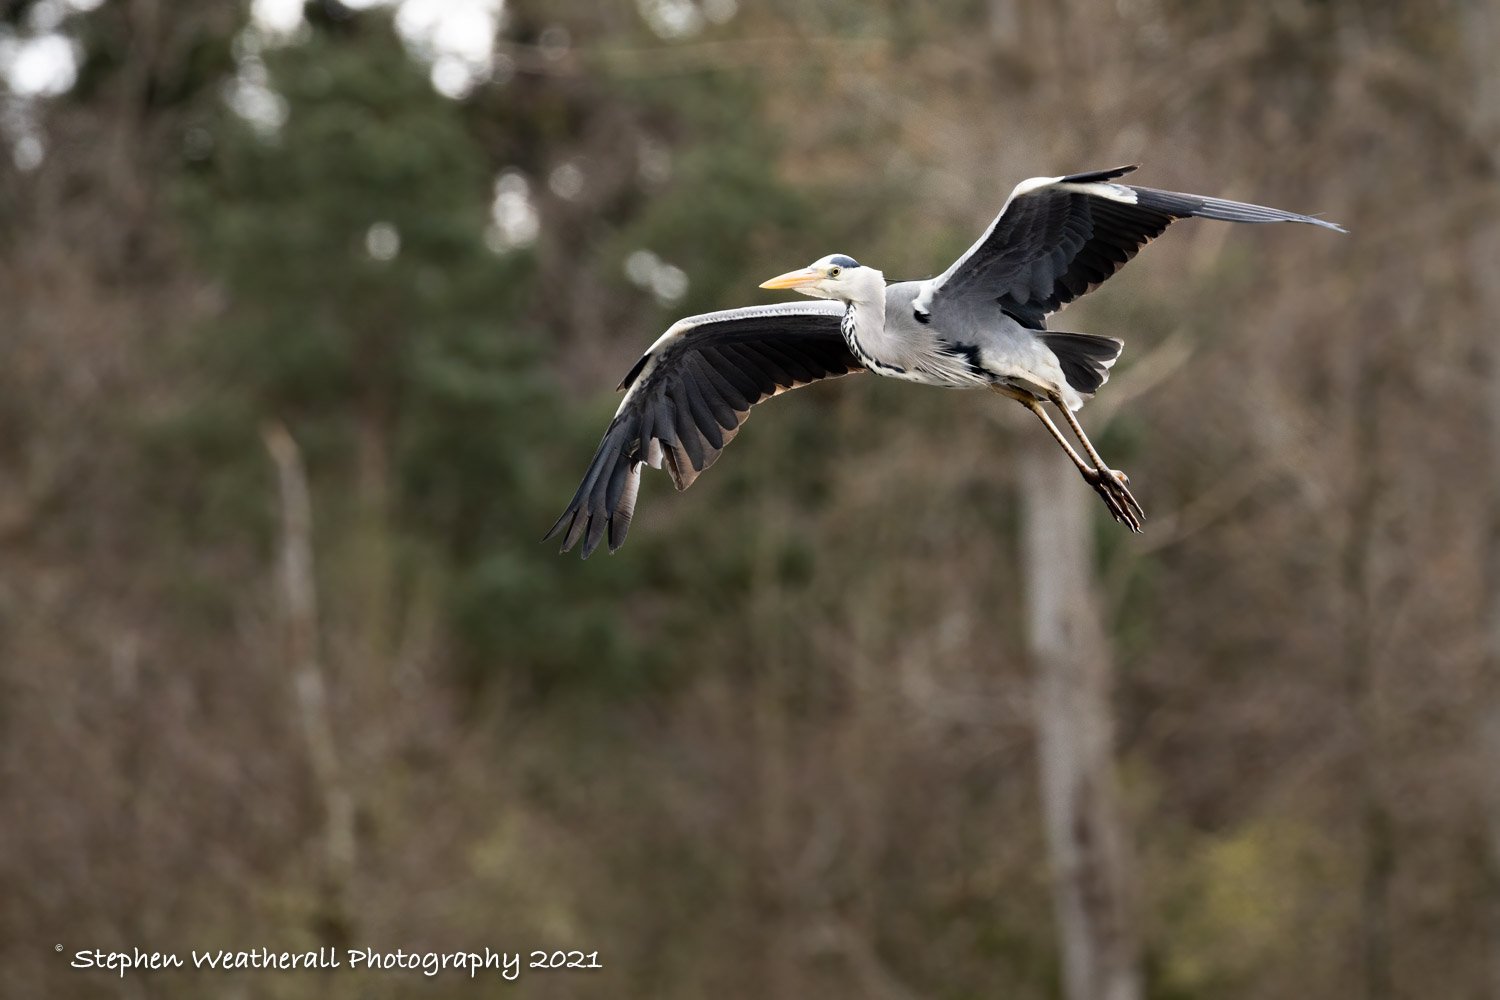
[413, 364]
[1242, 900]
[285, 220]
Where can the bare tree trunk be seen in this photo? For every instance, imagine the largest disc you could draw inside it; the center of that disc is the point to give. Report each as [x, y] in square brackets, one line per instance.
[1085, 830]
[300, 606]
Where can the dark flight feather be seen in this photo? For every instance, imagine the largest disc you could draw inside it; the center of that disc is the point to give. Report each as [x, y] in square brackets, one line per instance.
[1056, 242]
[689, 396]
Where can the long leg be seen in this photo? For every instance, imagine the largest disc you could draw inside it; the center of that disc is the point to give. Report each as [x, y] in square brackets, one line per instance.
[1057, 435]
[1111, 486]
[1077, 428]
[1119, 479]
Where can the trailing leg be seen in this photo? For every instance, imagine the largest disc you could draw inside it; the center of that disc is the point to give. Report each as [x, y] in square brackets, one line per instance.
[1113, 487]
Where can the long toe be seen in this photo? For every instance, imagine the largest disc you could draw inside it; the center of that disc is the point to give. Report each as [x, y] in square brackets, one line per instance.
[1117, 508]
[1122, 504]
[1122, 481]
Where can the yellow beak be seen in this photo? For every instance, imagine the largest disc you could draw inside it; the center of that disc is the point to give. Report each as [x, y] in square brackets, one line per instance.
[793, 279]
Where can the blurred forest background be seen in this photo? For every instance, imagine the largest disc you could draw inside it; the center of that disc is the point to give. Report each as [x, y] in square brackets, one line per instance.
[384, 267]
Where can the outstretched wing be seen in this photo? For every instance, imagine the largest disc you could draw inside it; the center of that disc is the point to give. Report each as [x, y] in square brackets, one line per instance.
[1059, 237]
[687, 397]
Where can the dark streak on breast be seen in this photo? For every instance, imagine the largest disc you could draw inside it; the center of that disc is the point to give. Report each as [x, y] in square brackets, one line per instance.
[848, 326]
[970, 355]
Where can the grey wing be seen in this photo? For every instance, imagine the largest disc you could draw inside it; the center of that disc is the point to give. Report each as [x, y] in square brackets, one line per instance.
[687, 397]
[1057, 238]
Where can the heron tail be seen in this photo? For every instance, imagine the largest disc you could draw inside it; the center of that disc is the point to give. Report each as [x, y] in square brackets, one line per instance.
[1084, 357]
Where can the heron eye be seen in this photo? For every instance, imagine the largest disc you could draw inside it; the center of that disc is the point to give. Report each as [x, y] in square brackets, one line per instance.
[833, 272]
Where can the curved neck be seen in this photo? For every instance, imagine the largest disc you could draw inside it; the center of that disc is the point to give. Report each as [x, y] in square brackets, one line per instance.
[864, 325]
[867, 292]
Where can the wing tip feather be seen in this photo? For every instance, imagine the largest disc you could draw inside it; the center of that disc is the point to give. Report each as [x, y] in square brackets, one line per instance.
[1098, 176]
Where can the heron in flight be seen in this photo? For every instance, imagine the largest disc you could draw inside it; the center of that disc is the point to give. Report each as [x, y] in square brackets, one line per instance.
[981, 324]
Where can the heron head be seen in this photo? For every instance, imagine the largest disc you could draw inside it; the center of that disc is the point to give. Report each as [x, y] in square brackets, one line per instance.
[836, 276]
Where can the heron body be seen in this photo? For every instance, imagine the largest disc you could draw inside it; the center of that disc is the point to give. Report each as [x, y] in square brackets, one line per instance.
[959, 349]
[982, 323]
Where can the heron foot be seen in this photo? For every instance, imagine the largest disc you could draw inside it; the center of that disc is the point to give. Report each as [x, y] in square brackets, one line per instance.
[1113, 488]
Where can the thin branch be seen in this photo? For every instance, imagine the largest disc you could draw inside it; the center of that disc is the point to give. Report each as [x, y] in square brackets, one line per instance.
[674, 60]
[833, 935]
[1155, 367]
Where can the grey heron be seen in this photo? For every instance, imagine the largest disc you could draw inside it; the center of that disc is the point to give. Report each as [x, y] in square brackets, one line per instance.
[982, 323]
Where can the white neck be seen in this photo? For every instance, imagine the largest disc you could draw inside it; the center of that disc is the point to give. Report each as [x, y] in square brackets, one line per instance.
[866, 288]
[864, 324]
